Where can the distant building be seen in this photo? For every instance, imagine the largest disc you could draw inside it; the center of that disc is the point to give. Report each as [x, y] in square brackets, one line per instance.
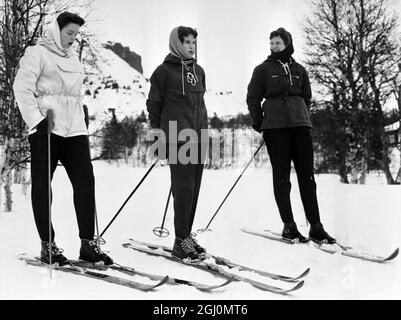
[393, 133]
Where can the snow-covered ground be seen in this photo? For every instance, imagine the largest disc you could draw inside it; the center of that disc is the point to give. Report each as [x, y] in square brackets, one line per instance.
[367, 217]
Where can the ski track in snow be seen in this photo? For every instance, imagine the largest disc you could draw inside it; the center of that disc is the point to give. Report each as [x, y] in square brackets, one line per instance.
[364, 216]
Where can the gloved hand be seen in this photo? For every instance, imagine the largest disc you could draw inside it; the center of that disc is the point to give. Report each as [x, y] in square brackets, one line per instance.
[41, 127]
[157, 148]
[86, 113]
[257, 127]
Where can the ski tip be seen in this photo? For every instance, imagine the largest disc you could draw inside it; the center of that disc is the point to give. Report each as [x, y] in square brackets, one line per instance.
[160, 283]
[165, 280]
[298, 286]
[227, 282]
[303, 275]
[392, 256]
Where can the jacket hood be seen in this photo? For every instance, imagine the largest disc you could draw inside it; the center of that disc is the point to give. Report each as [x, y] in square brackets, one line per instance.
[176, 47]
[52, 41]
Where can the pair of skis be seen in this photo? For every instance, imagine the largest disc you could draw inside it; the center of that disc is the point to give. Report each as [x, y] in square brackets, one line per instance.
[86, 269]
[328, 248]
[77, 269]
[215, 265]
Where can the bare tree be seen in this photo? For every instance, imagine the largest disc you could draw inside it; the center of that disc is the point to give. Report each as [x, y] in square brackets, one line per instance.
[397, 95]
[351, 52]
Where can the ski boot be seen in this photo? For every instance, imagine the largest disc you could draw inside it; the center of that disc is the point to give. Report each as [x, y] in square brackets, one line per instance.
[290, 232]
[56, 254]
[184, 250]
[201, 251]
[319, 235]
[90, 252]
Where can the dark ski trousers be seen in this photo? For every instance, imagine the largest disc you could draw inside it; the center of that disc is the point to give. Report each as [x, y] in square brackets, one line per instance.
[73, 153]
[185, 183]
[292, 144]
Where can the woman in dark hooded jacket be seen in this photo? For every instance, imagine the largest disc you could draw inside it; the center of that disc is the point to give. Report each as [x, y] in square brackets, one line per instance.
[176, 105]
[284, 119]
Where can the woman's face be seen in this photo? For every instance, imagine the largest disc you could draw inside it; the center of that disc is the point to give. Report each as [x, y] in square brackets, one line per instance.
[189, 44]
[277, 44]
[68, 34]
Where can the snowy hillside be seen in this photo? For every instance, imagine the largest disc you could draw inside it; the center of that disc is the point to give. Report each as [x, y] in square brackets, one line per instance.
[113, 84]
[130, 97]
[366, 217]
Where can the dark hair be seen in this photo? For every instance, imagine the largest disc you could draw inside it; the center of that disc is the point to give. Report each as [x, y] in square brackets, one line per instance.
[283, 34]
[66, 18]
[185, 32]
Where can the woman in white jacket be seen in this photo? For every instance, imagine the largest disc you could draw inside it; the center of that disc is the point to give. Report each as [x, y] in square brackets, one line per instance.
[50, 76]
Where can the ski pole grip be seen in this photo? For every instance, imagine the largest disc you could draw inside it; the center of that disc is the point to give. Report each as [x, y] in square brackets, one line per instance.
[86, 113]
[50, 121]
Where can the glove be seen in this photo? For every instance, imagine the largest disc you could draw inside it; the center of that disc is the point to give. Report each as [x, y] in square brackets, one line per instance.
[155, 132]
[86, 113]
[153, 137]
[41, 128]
[257, 128]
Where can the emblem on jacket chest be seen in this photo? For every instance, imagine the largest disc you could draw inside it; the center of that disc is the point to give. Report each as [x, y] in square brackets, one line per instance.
[191, 79]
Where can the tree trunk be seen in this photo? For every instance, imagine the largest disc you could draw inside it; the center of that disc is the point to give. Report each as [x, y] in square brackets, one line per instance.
[232, 147]
[398, 179]
[364, 161]
[17, 175]
[8, 204]
[364, 170]
[1, 192]
[24, 182]
[343, 171]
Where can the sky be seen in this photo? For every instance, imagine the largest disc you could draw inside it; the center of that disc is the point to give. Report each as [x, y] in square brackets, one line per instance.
[233, 34]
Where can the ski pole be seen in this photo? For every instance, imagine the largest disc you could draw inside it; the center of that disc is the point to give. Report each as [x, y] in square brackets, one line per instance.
[97, 238]
[161, 231]
[50, 117]
[129, 197]
[254, 155]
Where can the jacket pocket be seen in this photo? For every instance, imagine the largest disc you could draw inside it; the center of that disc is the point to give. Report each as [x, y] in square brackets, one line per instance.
[297, 80]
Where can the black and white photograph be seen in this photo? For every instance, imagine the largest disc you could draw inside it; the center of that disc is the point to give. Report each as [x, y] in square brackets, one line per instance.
[200, 150]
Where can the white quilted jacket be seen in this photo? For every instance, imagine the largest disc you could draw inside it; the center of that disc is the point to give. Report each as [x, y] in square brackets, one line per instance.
[51, 77]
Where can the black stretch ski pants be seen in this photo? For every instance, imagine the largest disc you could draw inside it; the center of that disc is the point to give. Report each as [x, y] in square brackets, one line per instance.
[185, 183]
[73, 153]
[292, 144]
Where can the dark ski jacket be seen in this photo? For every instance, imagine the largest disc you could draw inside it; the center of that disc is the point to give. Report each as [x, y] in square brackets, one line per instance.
[173, 97]
[287, 93]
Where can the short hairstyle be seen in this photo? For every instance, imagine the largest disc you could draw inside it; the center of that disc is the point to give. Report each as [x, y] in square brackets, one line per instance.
[283, 34]
[185, 32]
[66, 18]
